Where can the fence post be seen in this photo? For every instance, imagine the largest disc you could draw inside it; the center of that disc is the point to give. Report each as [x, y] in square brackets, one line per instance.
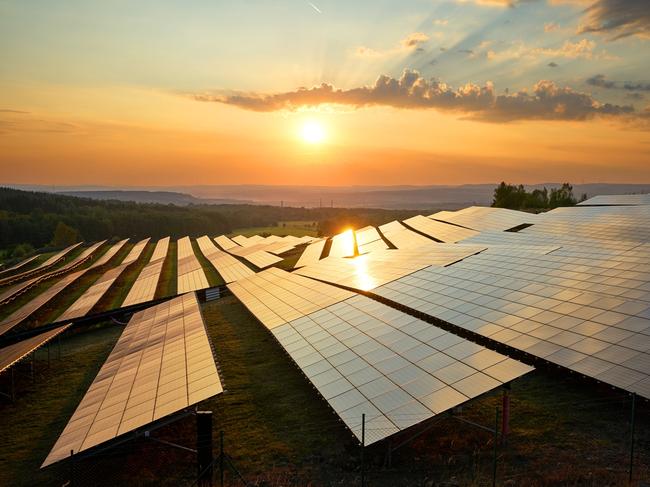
[221, 455]
[204, 447]
[632, 425]
[505, 420]
[363, 447]
[71, 468]
[496, 443]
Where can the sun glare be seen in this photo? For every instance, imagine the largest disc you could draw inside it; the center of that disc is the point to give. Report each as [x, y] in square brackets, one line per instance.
[312, 132]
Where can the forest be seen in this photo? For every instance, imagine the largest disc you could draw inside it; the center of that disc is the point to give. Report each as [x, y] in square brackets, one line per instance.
[34, 220]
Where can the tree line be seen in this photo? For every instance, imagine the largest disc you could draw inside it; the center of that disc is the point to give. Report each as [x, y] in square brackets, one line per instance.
[31, 220]
[517, 198]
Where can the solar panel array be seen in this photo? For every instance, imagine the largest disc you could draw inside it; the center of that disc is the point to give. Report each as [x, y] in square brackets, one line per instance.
[368, 240]
[37, 302]
[13, 291]
[256, 255]
[481, 218]
[366, 358]
[45, 265]
[403, 238]
[144, 287]
[189, 271]
[94, 293]
[19, 265]
[311, 254]
[376, 268]
[443, 232]
[618, 199]
[343, 244]
[11, 354]
[229, 268]
[162, 364]
[225, 243]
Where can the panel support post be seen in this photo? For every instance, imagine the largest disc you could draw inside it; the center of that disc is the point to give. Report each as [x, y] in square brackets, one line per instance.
[363, 447]
[505, 421]
[632, 425]
[204, 448]
[496, 444]
[13, 386]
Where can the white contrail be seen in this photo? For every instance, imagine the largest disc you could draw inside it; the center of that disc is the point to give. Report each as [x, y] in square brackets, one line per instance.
[315, 7]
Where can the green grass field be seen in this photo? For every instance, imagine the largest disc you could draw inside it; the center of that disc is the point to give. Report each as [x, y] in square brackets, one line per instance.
[295, 228]
[280, 433]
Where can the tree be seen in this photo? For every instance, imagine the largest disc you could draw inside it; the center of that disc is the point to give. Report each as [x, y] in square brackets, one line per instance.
[562, 196]
[64, 235]
[509, 196]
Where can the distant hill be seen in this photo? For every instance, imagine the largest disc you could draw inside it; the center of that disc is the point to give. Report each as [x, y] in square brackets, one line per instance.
[386, 197]
[161, 197]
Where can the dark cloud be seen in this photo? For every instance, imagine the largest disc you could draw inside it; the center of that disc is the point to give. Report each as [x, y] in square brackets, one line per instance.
[618, 18]
[552, 64]
[18, 112]
[546, 100]
[635, 96]
[466, 51]
[601, 81]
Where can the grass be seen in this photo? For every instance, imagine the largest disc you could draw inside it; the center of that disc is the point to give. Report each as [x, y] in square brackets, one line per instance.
[30, 426]
[167, 284]
[118, 292]
[295, 228]
[214, 279]
[278, 431]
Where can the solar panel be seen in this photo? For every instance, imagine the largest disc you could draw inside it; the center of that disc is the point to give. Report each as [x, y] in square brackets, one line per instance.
[369, 240]
[94, 293]
[161, 364]
[36, 303]
[20, 264]
[225, 243]
[144, 287]
[366, 358]
[13, 353]
[403, 238]
[376, 268]
[482, 218]
[229, 268]
[13, 291]
[190, 272]
[559, 309]
[311, 254]
[618, 199]
[343, 244]
[443, 232]
[48, 263]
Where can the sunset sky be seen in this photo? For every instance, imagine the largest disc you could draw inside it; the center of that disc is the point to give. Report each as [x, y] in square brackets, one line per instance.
[324, 93]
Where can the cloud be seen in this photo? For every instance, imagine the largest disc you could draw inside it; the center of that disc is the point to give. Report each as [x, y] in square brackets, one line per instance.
[492, 3]
[551, 27]
[583, 48]
[601, 81]
[617, 18]
[441, 22]
[410, 43]
[546, 100]
[18, 112]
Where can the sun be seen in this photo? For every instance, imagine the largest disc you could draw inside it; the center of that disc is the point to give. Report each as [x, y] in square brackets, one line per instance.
[312, 132]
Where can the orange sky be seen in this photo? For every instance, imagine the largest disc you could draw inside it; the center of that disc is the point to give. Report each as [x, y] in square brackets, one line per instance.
[72, 124]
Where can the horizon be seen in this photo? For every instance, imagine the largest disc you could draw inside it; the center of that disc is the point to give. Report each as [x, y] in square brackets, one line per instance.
[326, 93]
